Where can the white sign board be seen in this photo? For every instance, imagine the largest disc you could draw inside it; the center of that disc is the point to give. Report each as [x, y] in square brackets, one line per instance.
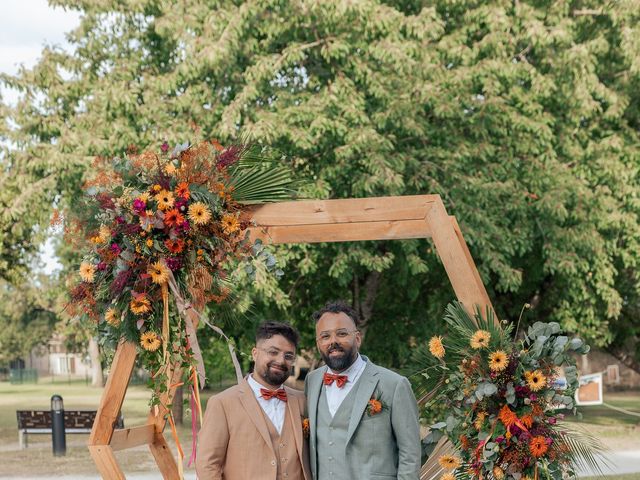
[590, 390]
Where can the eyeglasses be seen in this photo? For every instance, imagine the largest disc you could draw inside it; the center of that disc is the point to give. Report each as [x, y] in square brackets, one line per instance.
[340, 334]
[275, 353]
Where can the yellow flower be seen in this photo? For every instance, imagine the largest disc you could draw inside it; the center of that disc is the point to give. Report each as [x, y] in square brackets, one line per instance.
[150, 341]
[480, 339]
[144, 197]
[448, 476]
[435, 346]
[104, 234]
[157, 188]
[159, 272]
[535, 380]
[449, 462]
[479, 420]
[498, 361]
[87, 272]
[169, 169]
[165, 200]
[230, 224]
[140, 305]
[498, 473]
[149, 242]
[112, 318]
[199, 213]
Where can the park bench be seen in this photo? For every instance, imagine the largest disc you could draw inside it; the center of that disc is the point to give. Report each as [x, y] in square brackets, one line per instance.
[39, 421]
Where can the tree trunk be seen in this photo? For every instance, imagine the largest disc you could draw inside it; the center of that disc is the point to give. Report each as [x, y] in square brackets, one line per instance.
[625, 358]
[97, 379]
[364, 303]
[177, 406]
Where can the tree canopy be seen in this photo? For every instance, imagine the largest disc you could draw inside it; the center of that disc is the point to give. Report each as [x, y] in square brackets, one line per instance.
[524, 116]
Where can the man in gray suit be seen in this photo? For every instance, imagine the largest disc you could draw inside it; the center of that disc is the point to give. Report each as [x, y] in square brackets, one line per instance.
[363, 418]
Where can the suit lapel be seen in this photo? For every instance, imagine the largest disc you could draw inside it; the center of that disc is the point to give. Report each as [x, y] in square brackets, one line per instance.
[368, 381]
[254, 411]
[314, 397]
[293, 409]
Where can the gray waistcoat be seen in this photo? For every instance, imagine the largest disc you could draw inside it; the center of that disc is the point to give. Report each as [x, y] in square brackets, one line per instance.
[331, 437]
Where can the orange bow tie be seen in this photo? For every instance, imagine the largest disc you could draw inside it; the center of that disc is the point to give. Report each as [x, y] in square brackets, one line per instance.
[340, 380]
[280, 394]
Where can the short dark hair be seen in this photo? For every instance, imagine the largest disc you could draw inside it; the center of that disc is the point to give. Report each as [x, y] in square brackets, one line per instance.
[338, 306]
[267, 330]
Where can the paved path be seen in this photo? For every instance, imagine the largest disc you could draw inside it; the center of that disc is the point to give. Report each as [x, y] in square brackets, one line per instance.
[620, 463]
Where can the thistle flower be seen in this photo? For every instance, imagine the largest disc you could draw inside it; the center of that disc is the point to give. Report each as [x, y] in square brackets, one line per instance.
[150, 341]
[435, 347]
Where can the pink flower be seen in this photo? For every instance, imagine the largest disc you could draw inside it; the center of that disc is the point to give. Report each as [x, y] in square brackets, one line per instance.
[115, 248]
[164, 147]
[101, 266]
[139, 206]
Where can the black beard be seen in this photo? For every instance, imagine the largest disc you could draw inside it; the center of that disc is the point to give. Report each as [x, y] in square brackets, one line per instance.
[338, 364]
[275, 378]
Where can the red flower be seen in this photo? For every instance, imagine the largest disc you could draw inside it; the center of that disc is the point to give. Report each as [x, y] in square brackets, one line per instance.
[174, 246]
[182, 190]
[173, 218]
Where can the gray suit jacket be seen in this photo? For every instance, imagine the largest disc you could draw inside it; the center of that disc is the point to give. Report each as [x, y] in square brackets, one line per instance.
[385, 445]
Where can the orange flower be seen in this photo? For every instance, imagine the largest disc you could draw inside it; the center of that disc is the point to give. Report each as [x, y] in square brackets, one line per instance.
[174, 246]
[140, 304]
[507, 416]
[182, 190]
[538, 446]
[150, 341]
[374, 406]
[527, 420]
[449, 462]
[173, 218]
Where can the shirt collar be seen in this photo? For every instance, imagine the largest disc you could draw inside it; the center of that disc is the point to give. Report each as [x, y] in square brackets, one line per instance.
[353, 370]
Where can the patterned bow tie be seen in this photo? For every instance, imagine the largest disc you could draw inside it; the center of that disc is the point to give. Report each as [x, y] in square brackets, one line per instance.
[339, 379]
[280, 394]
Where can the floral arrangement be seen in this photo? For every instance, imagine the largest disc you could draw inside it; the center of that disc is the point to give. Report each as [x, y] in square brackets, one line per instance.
[503, 398]
[168, 224]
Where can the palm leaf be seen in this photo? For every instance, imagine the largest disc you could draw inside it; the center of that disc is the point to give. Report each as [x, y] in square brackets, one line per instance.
[583, 448]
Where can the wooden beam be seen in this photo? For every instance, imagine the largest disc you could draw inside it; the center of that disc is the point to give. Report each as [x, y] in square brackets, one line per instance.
[113, 395]
[132, 437]
[342, 232]
[106, 462]
[166, 463]
[459, 267]
[349, 210]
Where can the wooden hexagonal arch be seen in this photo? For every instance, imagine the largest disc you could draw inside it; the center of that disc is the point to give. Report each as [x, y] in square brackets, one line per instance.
[309, 221]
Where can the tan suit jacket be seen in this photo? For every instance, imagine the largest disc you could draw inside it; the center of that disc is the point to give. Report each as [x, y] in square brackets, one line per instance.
[234, 442]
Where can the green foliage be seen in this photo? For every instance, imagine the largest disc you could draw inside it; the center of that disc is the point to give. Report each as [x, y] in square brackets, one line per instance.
[523, 116]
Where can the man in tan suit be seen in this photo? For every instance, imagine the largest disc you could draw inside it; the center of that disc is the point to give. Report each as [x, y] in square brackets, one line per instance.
[253, 431]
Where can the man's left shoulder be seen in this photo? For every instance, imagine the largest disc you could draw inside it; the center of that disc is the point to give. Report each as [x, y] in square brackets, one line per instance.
[293, 392]
[388, 376]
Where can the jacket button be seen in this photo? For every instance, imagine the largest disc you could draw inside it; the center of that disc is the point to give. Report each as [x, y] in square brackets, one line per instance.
[273, 462]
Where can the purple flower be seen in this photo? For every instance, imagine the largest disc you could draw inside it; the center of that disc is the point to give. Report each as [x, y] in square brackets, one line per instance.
[173, 263]
[184, 226]
[181, 204]
[139, 206]
[120, 282]
[101, 266]
[229, 156]
[119, 220]
[552, 420]
[164, 147]
[500, 439]
[533, 397]
[115, 248]
[548, 440]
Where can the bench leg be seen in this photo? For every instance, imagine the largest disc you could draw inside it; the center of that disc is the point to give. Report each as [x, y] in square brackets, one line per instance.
[22, 438]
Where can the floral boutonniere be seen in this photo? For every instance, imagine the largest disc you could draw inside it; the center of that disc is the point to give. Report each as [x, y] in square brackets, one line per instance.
[306, 428]
[375, 405]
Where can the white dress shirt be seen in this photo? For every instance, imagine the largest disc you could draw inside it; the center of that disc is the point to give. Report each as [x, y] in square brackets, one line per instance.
[335, 395]
[274, 408]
